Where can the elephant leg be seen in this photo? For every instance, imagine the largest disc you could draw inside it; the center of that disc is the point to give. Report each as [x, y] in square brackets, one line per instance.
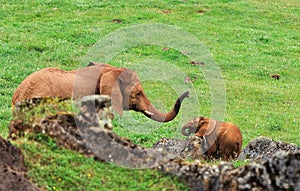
[211, 152]
[229, 150]
[225, 151]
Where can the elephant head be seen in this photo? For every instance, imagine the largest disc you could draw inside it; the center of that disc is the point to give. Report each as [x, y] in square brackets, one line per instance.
[126, 91]
[200, 125]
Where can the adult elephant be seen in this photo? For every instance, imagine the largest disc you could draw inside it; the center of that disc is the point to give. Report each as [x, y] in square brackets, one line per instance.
[122, 84]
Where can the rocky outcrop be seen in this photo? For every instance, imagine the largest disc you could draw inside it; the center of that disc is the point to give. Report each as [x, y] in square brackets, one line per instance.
[281, 172]
[187, 148]
[263, 148]
[90, 132]
[13, 174]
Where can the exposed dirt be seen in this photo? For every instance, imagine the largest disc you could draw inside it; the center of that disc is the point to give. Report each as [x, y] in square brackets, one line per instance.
[116, 21]
[13, 174]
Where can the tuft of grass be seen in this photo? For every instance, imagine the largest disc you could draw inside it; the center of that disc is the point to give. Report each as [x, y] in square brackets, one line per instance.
[240, 163]
[30, 114]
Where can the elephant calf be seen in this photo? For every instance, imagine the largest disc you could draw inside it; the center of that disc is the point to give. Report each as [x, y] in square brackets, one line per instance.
[219, 139]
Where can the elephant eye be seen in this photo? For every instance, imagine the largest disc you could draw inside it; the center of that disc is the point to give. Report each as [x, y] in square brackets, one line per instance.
[138, 94]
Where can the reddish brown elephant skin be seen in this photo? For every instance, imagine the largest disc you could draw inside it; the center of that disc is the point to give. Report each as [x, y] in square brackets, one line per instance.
[222, 139]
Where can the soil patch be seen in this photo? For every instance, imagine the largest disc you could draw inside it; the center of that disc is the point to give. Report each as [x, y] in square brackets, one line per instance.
[13, 174]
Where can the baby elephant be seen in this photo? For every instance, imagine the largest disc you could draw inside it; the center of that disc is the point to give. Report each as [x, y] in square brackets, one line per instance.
[219, 139]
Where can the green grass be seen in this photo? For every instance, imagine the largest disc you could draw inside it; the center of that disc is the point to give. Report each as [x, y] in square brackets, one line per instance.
[247, 39]
[55, 168]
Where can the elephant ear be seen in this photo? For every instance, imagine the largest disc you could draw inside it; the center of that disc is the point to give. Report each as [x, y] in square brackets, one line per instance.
[206, 126]
[110, 85]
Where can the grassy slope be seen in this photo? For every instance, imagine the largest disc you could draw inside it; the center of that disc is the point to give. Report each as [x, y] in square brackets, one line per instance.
[248, 40]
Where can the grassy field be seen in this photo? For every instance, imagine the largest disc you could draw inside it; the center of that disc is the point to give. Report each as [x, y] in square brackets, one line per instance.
[249, 40]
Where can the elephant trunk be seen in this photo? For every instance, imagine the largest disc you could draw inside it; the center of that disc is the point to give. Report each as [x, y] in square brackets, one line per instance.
[156, 115]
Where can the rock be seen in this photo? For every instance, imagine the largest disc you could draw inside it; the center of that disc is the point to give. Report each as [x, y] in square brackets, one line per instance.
[263, 148]
[188, 148]
[281, 172]
[174, 146]
[13, 174]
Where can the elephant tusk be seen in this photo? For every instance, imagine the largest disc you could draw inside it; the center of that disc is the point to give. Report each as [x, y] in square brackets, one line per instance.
[148, 112]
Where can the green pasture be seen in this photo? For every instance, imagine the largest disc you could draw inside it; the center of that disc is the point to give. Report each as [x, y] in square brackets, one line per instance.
[249, 41]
